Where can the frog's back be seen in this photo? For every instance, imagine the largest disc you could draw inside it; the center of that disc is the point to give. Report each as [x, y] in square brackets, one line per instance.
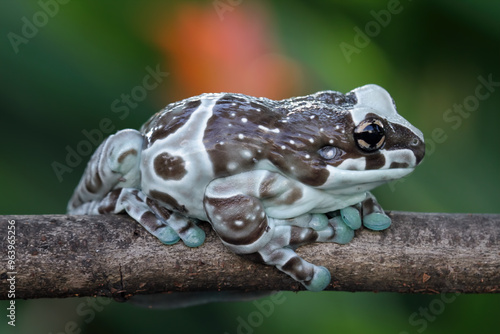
[233, 130]
[178, 159]
[194, 141]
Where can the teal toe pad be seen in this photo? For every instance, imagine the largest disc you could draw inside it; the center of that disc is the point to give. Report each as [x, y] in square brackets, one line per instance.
[167, 235]
[377, 221]
[343, 233]
[351, 217]
[320, 280]
[318, 222]
[194, 238]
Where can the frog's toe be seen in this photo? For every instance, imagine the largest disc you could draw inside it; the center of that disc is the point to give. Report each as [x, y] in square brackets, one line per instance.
[318, 221]
[320, 280]
[351, 217]
[343, 233]
[377, 221]
[167, 235]
[193, 237]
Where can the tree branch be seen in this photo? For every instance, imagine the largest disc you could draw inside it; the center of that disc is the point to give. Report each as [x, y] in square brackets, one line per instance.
[64, 256]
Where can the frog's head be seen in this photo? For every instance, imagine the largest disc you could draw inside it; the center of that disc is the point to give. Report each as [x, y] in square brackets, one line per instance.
[374, 146]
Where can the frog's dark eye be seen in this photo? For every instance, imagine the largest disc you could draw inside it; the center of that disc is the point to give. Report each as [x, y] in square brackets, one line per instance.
[370, 135]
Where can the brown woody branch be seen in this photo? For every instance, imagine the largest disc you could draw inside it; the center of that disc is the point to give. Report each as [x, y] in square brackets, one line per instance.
[64, 256]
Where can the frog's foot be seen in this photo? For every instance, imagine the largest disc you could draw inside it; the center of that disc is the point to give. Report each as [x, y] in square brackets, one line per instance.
[190, 233]
[167, 226]
[279, 251]
[374, 216]
[316, 221]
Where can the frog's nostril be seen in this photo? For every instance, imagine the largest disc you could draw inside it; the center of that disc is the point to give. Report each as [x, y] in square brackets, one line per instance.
[418, 150]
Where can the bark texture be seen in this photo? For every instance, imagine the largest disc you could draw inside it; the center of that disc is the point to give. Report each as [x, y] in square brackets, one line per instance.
[64, 256]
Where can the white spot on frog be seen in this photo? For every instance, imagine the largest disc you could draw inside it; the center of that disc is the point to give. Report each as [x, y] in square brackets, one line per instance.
[232, 166]
[246, 154]
[269, 130]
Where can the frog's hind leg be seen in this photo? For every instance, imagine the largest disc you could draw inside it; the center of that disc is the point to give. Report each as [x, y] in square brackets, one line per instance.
[187, 229]
[110, 185]
[236, 211]
[115, 164]
[133, 202]
[164, 224]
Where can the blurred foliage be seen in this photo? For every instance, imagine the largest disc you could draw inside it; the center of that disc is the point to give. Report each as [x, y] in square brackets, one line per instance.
[65, 73]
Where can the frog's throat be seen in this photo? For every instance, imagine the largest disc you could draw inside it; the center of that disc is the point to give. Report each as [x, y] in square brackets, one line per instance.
[355, 181]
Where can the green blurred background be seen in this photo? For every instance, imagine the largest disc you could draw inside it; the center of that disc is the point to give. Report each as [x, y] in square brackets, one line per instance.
[67, 65]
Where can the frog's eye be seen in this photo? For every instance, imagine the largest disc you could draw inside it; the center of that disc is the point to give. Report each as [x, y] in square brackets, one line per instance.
[370, 135]
[329, 152]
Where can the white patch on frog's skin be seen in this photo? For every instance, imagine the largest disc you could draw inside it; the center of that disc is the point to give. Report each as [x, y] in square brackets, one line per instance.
[268, 130]
[404, 156]
[341, 181]
[358, 164]
[374, 99]
[197, 162]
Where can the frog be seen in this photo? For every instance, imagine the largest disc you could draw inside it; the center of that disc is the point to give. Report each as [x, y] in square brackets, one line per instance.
[268, 175]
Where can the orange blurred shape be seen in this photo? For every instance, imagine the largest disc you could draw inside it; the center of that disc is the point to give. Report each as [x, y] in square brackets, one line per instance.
[209, 50]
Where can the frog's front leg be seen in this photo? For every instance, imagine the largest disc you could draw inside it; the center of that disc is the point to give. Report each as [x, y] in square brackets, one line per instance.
[374, 216]
[236, 208]
[368, 212]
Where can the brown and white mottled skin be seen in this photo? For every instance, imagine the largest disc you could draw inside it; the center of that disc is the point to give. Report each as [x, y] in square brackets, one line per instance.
[268, 175]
